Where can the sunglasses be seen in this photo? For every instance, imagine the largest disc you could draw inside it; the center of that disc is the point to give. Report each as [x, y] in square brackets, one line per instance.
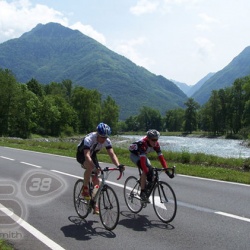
[154, 140]
[102, 136]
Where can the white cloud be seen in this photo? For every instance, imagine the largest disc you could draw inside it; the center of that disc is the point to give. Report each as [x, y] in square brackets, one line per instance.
[208, 19]
[18, 17]
[129, 49]
[89, 31]
[144, 6]
[205, 48]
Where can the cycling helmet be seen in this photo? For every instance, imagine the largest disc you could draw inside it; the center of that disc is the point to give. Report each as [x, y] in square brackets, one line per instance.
[103, 130]
[153, 134]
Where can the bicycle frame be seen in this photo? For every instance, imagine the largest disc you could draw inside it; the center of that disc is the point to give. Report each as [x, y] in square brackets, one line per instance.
[105, 196]
[104, 174]
[163, 196]
[156, 178]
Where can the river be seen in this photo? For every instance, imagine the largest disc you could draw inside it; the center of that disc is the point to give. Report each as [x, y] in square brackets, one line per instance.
[210, 146]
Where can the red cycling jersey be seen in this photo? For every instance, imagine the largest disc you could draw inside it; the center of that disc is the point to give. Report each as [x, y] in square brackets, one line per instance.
[142, 147]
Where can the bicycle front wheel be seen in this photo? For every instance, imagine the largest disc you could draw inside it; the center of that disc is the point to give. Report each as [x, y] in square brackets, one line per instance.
[131, 191]
[108, 207]
[164, 202]
[81, 205]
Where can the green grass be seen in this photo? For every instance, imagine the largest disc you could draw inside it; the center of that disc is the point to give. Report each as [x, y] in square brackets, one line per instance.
[4, 245]
[197, 164]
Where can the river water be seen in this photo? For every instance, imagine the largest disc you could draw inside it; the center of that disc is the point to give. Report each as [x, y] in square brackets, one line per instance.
[220, 147]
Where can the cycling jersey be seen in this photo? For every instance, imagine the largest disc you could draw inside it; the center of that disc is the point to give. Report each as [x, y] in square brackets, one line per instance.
[142, 147]
[90, 142]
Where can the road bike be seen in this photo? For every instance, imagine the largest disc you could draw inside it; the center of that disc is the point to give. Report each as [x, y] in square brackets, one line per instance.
[105, 197]
[163, 196]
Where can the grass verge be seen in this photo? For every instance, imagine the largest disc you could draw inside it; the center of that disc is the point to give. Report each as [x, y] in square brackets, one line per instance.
[5, 246]
[198, 164]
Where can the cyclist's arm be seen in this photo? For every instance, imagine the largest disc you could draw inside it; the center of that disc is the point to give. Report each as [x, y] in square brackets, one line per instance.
[113, 156]
[162, 160]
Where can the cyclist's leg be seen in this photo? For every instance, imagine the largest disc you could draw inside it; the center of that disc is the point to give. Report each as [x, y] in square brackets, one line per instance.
[95, 179]
[88, 166]
[136, 159]
[147, 176]
[81, 159]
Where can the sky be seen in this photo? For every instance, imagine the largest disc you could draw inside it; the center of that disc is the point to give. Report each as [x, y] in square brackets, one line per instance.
[182, 40]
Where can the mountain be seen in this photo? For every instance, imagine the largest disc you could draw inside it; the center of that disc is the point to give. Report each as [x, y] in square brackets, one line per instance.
[182, 86]
[52, 53]
[237, 68]
[198, 85]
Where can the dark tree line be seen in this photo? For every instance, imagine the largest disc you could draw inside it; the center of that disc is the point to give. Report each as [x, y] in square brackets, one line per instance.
[60, 109]
[226, 112]
[55, 109]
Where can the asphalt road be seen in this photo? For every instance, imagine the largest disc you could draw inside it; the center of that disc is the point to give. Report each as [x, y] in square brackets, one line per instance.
[39, 188]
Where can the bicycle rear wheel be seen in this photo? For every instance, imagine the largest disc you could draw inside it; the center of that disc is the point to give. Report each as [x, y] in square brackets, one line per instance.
[108, 207]
[131, 191]
[81, 205]
[164, 202]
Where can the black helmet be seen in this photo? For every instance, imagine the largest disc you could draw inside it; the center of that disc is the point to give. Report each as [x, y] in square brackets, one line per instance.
[153, 134]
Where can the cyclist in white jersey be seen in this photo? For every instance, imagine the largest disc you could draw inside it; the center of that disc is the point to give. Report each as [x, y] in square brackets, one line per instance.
[87, 154]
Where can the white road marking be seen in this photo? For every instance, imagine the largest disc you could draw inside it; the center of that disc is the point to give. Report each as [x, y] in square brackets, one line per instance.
[29, 164]
[183, 204]
[43, 238]
[79, 177]
[71, 175]
[7, 158]
[55, 246]
[207, 179]
[233, 216]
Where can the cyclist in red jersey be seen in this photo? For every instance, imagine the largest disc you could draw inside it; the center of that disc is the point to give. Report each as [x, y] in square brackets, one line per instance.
[138, 155]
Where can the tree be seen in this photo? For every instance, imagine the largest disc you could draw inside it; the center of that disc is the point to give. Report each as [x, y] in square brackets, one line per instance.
[149, 118]
[214, 112]
[132, 123]
[68, 116]
[68, 85]
[34, 86]
[110, 114]
[190, 121]
[174, 119]
[87, 104]
[49, 117]
[238, 102]
[23, 114]
[246, 113]
[8, 92]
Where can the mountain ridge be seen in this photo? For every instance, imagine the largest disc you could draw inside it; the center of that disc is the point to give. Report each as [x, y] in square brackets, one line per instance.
[52, 53]
[239, 67]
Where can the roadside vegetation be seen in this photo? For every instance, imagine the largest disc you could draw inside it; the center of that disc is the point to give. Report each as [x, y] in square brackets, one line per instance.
[194, 164]
[63, 109]
[5, 246]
